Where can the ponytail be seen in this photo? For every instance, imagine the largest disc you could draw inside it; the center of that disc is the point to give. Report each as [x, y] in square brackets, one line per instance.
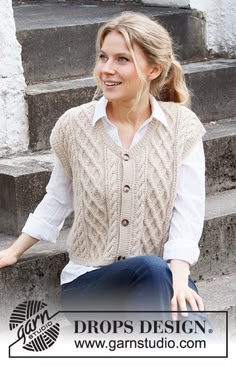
[172, 87]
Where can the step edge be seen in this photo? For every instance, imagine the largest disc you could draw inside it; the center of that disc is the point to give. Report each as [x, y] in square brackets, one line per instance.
[166, 11]
[214, 205]
[89, 81]
[220, 129]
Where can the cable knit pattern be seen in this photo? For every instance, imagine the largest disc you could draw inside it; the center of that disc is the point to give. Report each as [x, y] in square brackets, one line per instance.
[123, 198]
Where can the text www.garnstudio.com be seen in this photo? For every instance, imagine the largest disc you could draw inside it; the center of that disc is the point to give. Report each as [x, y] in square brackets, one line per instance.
[162, 343]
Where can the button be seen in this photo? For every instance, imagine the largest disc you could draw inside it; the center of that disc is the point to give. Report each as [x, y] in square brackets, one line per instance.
[125, 156]
[126, 188]
[119, 258]
[125, 222]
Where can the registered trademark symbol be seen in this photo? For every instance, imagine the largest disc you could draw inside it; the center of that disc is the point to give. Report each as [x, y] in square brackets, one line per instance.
[210, 330]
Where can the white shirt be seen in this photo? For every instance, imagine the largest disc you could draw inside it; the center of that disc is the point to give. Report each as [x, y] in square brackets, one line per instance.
[189, 206]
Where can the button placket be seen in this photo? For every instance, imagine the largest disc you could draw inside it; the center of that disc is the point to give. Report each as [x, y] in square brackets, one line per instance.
[126, 205]
[126, 186]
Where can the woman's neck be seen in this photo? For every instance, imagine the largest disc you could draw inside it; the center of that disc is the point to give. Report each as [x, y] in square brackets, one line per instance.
[124, 114]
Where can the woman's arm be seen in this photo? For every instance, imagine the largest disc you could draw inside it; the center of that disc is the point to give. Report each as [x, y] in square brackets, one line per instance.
[46, 221]
[181, 249]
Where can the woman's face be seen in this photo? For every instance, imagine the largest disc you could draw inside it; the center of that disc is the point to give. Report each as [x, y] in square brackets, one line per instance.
[116, 69]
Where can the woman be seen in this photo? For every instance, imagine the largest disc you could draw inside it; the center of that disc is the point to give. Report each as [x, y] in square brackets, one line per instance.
[131, 166]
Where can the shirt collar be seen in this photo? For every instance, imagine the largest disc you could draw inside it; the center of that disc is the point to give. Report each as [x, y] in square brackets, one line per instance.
[157, 112]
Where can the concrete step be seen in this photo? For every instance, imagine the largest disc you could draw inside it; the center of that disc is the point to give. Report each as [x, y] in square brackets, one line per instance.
[218, 299]
[212, 83]
[48, 101]
[218, 241]
[219, 294]
[82, 2]
[58, 40]
[35, 276]
[23, 178]
[220, 153]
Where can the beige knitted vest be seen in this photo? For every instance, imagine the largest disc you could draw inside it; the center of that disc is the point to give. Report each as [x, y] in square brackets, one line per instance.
[123, 199]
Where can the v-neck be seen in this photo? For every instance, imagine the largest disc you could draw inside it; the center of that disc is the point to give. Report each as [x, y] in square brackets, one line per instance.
[119, 150]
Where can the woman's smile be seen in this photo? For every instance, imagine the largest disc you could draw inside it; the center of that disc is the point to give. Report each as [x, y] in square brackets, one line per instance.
[111, 84]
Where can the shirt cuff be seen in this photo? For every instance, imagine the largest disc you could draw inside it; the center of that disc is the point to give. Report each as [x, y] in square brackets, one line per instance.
[40, 229]
[181, 250]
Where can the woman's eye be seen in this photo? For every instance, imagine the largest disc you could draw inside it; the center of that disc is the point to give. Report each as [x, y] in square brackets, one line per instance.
[102, 57]
[123, 59]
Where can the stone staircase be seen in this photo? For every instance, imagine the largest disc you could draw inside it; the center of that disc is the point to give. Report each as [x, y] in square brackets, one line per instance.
[58, 56]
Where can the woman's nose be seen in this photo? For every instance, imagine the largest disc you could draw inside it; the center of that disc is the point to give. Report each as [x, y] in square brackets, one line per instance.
[108, 67]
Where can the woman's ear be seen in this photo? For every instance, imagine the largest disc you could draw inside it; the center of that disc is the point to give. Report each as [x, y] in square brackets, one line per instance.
[155, 72]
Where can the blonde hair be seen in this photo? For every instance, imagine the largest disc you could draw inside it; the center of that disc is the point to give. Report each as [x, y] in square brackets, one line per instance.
[156, 44]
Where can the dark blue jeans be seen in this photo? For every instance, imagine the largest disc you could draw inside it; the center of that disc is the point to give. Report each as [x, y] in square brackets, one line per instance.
[137, 283]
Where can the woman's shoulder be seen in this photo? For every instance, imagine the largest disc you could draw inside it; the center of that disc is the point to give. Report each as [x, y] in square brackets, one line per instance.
[183, 117]
[187, 126]
[177, 110]
[72, 119]
[180, 114]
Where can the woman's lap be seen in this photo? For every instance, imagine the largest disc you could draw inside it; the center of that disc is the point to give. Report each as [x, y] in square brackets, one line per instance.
[137, 283]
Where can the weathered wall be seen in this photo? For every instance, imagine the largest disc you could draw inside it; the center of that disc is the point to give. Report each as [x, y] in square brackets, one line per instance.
[13, 121]
[221, 24]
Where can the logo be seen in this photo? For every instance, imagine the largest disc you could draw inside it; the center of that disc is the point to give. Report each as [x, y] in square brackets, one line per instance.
[34, 325]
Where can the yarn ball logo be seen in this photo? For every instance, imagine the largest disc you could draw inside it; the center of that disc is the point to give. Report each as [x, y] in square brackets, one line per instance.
[34, 326]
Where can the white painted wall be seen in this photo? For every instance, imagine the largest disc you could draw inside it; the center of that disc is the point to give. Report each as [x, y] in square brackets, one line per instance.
[220, 24]
[220, 21]
[13, 119]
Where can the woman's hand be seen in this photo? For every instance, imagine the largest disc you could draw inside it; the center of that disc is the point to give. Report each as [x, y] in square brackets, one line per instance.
[8, 257]
[183, 294]
[11, 255]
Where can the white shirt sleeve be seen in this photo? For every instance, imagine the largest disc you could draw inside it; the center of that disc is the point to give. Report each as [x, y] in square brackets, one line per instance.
[189, 209]
[48, 218]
